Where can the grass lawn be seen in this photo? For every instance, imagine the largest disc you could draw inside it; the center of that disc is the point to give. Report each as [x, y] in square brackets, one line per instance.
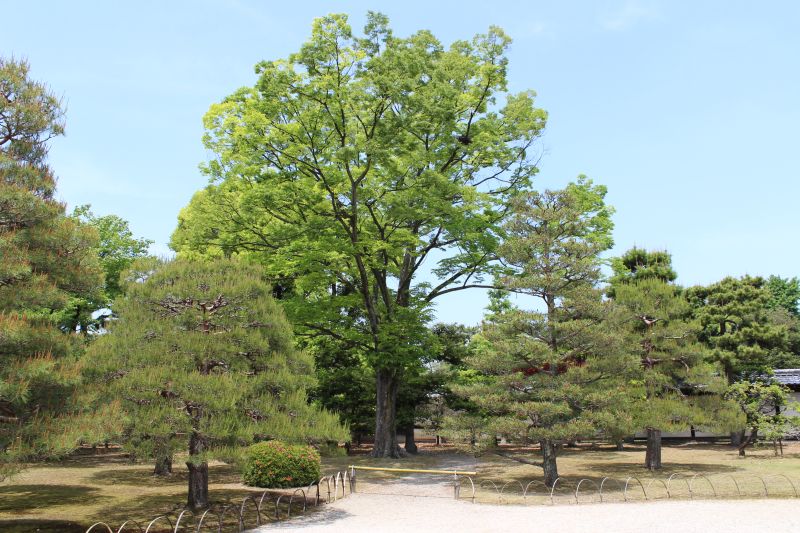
[87, 488]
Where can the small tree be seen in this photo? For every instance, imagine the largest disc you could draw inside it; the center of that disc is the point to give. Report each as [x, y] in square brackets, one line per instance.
[763, 405]
[201, 359]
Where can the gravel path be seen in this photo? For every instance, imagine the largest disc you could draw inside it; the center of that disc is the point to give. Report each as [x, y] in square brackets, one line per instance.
[411, 514]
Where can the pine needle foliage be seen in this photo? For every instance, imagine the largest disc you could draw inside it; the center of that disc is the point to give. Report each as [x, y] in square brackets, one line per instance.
[46, 259]
[549, 376]
[202, 359]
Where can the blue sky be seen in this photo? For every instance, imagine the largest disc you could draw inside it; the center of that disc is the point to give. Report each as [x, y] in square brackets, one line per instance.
[687, 111]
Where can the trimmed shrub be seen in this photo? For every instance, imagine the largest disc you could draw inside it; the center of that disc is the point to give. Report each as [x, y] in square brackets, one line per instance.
[274, 464]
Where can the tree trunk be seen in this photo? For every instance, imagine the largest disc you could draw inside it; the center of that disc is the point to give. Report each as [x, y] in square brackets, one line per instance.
[410, 445]
[163, 466]
[385, 415]
[620, 445]
[693, 432]
[198, 475]
[549, 465]
[748, 441]
[737, 437]
[652, 458]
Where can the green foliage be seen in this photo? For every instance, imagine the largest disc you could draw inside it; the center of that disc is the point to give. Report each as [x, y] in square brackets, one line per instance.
[764, 405]
[735, 320]
[46, 259]
[639, 264]
[116, 250]
[274, 464]
[784, 294]
[677, 386]
[548, 376]
[201, 358]
[358, 163]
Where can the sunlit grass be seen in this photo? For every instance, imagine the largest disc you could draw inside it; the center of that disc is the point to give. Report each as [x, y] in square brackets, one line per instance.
[106, 487]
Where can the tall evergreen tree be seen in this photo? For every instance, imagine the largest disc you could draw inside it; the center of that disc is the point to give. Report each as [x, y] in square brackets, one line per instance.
[46, 258]
[357, 165]
[677, 382]
[548, 376]
[202, 360]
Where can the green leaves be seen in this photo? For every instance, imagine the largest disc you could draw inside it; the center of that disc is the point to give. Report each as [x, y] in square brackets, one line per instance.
[202, 348]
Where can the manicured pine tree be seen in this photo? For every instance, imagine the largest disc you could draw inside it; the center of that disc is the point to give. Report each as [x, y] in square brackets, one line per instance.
[201, 360]
[735, 315]
[46, 259]
[736, 327]
[548, 376]
[676, 382]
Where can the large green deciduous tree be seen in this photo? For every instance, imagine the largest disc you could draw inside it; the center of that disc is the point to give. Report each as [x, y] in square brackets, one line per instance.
[550, 376]
[354, 166]
[46, 258]
[202, 360]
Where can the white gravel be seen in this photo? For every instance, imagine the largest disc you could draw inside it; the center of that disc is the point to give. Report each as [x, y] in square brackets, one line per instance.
[413, 514]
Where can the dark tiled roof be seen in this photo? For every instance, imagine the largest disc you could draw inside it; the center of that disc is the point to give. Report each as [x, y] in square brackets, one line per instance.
[788, 376]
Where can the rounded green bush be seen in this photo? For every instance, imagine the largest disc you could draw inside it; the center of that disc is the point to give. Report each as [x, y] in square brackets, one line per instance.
[274, 464]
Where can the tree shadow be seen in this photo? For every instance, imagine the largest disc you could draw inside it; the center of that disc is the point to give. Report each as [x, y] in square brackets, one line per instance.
[43, 526]
[21, 498]
[217, 474]
[145, 509]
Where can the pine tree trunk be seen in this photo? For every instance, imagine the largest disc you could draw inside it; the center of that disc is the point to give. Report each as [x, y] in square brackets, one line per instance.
[198, 475]
[737, 437]
[410, 445]
[385, 415]
[620, 445]
[693, 432]
[163, 466]
[652, 458]
[549, 462]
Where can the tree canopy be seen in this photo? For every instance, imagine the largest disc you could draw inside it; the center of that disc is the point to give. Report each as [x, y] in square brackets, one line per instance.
[201, 359]
[549, 376]
[358, 163]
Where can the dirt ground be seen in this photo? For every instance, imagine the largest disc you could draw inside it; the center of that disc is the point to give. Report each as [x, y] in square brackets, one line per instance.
[390, 513]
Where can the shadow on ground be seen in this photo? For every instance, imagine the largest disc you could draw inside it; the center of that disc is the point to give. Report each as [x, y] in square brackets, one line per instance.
[20, 498]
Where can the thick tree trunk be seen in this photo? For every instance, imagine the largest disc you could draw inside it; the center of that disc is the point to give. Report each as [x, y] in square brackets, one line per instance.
[620, 445]
[385, 415]
[652, 458]
[737, 437]
[549, 462]
[163, 466]
[198, 475]
[410, 446]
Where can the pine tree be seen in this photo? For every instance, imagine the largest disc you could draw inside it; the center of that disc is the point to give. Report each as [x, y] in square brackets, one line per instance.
[739, 330]
[46, 259]
[202, 360]
[676, 380]
[548, 376]
[735, 320]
